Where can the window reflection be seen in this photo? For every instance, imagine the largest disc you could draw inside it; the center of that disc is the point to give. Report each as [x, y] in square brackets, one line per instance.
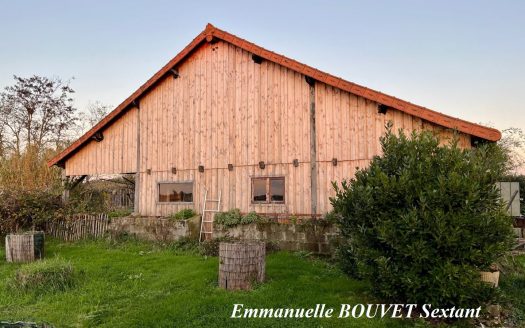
[176, 192]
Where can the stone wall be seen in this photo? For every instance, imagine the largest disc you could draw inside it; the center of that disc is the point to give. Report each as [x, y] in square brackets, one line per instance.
[156, 229]
[318, 237]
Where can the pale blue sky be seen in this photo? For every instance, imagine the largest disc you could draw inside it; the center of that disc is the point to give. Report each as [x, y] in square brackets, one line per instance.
[463, 58]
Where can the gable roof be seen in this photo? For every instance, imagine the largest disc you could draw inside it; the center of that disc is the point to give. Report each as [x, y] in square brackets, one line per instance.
[211, 32]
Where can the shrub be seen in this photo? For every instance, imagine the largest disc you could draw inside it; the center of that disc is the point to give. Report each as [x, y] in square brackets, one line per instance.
[228, 219]
[331, 217]
[234, 217]
[183, 214]
[252, 217]
[23, 210]
[423, 219]
[49, 275]
[86, 198]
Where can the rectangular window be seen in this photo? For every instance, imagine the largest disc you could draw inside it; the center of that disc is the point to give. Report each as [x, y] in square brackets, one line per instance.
[174, 192]
[267, 190]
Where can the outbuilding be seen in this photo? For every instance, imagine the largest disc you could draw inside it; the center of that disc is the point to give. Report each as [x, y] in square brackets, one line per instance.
[261, 131]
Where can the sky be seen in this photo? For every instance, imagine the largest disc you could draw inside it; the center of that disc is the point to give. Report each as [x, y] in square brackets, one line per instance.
[462, 58]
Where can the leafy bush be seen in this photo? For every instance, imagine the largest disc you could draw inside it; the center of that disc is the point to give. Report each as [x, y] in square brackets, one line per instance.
[331, 217]
[228, 219]
[252, 217]
[85, 198]
[234, 217]
[423, 219]
[183, 214]
[49, 275]
[23, 210]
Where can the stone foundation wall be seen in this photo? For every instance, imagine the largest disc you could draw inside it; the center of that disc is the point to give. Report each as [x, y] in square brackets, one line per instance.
[156, 229]
[314, 237]
[318, 237]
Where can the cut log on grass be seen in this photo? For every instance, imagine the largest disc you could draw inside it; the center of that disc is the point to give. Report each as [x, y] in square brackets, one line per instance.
[25, 247]
[241, 264]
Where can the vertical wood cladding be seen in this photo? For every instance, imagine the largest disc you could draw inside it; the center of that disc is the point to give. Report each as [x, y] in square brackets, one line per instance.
[225, 109]
[116, 153]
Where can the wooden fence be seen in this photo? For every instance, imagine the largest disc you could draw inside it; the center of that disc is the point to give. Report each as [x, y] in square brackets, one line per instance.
[79, 227]
[121, 198]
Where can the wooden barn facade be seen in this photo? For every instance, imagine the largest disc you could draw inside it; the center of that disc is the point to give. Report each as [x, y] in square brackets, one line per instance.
[267, 133]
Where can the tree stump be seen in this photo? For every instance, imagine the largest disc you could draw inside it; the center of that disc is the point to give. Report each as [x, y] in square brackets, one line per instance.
[241, 264]
[26, 247]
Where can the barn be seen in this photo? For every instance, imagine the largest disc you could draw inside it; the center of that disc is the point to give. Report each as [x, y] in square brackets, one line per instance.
[255, 129]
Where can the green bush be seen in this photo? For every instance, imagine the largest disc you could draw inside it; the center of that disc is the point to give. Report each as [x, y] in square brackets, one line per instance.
[49, 275]
[85, 198]
[24, 210]
[423, 219]
[234, 217]
[252, 217]
[183, 214]
[228, 219]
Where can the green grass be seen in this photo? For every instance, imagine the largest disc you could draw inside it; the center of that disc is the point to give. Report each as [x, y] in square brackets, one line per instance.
[134, 284]
[512, 285]
[141, 285]
[49, 275]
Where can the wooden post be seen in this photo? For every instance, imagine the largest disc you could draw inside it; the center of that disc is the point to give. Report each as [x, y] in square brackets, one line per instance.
[65, 192]
[313, 149]
[136, 201]
[241, 264]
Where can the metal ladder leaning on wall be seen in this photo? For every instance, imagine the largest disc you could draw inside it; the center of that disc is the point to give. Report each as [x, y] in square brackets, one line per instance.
[207, 224]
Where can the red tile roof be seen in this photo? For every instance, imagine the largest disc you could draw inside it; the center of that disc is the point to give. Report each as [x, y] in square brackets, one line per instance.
[212, 32]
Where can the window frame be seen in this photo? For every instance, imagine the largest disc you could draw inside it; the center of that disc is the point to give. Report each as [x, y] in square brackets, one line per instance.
[269, 200]
[157, 199]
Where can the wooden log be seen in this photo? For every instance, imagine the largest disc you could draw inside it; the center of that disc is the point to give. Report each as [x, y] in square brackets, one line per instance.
[26, 247]
[241, 264]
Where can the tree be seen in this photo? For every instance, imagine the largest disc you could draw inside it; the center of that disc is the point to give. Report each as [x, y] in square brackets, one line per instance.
[513, 143]
[37, 118]
[423, 219]
[36, 112]
[96, 111]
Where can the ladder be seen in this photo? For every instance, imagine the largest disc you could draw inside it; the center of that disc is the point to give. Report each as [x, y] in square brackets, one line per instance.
[207, 221]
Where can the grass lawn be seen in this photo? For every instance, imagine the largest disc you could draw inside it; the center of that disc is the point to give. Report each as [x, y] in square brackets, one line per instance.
[141, 285]
[512, 286]
[133, 284]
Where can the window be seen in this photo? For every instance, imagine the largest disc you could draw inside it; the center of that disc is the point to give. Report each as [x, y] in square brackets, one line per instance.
[173, 192]
[268, 190]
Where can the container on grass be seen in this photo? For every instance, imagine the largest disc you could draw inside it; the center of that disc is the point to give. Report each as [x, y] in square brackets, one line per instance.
[241, 264]
[24, 247]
